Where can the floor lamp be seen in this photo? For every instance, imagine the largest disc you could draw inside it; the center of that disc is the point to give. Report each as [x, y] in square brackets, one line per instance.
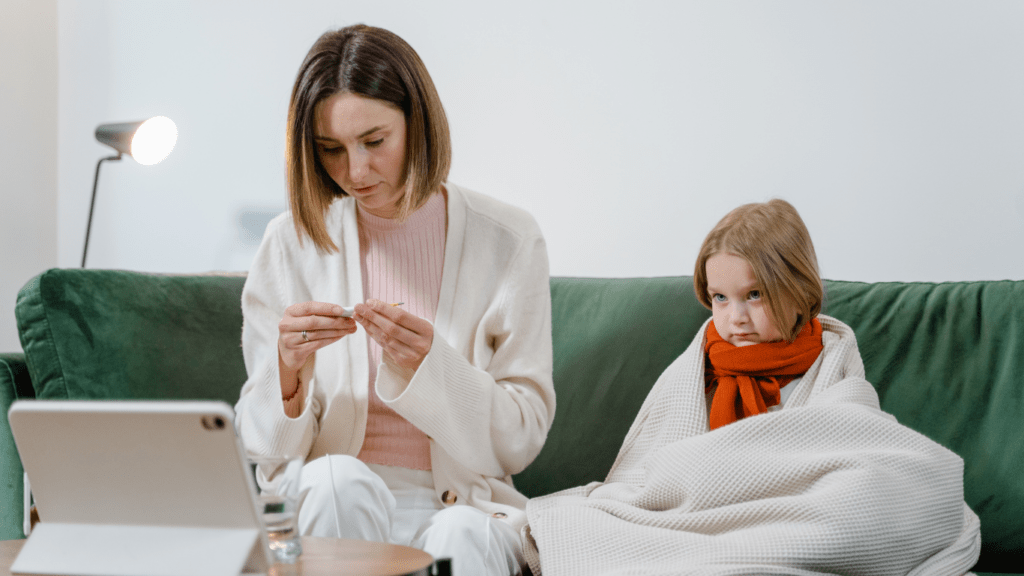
[148, 141]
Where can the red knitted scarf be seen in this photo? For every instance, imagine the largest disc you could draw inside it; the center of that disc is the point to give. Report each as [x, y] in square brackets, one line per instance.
[749, 378]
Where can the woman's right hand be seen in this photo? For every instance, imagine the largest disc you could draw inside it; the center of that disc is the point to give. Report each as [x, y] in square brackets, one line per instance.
[308, 327]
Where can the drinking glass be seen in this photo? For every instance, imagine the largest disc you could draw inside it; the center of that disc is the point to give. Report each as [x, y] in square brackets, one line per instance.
[279, 501]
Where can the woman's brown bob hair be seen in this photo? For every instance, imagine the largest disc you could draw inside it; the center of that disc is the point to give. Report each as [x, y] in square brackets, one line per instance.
[374, 63]
[772, 238]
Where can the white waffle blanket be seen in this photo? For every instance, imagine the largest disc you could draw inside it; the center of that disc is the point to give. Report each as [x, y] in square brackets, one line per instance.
[830, 484]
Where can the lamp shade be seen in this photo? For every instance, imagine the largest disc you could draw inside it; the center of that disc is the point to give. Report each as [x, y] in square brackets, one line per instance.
[148, 141]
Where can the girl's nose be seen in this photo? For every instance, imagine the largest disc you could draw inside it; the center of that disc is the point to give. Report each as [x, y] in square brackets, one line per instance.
[740, 314]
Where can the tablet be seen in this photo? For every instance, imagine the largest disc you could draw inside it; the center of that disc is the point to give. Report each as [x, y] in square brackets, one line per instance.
[137, 487]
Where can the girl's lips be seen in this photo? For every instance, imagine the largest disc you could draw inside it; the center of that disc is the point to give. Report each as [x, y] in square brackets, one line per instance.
[743, 339]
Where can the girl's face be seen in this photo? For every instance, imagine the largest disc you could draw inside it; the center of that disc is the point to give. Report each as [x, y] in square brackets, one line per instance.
[361, 143]
[737, 307]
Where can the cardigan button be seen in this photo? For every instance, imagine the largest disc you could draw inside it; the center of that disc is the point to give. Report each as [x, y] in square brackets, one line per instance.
[499, 515]
[449, 497]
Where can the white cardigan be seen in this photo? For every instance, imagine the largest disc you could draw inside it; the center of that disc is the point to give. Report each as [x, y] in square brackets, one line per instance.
[483, 394]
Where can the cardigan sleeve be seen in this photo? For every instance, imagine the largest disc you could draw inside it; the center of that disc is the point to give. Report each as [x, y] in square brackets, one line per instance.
[491, 414]
[260, 420]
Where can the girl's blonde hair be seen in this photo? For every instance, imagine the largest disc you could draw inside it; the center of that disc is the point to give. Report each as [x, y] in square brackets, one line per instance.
[773, 239]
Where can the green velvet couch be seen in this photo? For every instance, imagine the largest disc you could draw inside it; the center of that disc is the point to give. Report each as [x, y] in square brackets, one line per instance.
[947, 360]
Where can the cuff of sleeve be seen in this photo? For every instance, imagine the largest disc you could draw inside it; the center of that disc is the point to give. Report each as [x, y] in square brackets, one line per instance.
[443, 384]
[266, 429]
[393, 380]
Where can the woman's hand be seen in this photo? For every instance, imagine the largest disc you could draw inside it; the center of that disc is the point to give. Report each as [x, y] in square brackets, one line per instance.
[306, 328]
[405, 338]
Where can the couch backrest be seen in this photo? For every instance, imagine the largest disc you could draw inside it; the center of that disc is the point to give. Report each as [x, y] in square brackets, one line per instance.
[947, 360]
[612, 339]
[94, 334]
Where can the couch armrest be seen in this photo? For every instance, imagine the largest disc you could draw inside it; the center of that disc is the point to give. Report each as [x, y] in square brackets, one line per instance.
[14, 384]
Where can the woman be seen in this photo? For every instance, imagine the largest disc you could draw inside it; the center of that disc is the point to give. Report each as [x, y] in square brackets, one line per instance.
[412, 430]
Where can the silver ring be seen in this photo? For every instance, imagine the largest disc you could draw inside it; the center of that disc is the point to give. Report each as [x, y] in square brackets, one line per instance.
[304, 336]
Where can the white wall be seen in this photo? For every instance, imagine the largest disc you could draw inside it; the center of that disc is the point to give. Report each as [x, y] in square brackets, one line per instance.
[28, 151]
[628, 129]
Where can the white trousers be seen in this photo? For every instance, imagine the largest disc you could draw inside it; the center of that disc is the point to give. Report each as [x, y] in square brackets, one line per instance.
[350, 499]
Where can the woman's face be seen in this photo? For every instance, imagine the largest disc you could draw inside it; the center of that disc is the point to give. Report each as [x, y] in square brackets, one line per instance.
[361, 144]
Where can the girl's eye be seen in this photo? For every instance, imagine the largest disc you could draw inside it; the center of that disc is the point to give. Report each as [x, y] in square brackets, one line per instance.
[375, 143]
[330, 149]
[717, 298]
[755, 295]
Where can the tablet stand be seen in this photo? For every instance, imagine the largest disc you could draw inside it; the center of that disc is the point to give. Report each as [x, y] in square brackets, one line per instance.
[109, 550]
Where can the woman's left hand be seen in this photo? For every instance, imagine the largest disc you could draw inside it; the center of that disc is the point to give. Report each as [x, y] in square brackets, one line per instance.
[405, 338]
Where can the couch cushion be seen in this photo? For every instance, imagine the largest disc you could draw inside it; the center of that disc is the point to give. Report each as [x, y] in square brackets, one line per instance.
[116, 334]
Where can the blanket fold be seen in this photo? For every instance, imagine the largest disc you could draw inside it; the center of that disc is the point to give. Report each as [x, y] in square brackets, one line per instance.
[829, 484]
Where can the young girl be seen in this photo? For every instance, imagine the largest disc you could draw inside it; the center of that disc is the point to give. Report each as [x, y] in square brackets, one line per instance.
[762, 449]
[758, 274]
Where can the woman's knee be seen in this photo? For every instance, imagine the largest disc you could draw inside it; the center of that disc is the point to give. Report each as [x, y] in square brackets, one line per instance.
[459, 532]
[476, 542]
[461, 522]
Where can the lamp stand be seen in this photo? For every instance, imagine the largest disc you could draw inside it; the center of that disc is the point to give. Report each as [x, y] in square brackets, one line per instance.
[92, 203]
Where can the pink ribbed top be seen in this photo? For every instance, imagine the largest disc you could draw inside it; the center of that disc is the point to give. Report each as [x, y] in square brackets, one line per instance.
[401, 262]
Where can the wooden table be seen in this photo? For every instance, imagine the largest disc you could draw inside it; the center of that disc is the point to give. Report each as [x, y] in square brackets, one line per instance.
[320, 556]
